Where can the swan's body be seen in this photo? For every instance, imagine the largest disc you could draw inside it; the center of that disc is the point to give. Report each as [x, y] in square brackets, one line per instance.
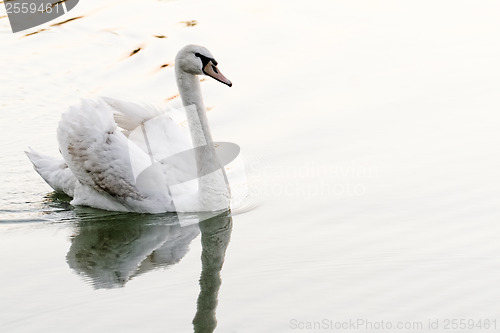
[105, 166]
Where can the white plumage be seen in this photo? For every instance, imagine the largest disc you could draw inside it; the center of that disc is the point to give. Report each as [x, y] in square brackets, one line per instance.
[115, 153]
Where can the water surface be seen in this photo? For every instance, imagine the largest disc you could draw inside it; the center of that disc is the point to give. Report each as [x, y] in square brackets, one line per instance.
[370, 134]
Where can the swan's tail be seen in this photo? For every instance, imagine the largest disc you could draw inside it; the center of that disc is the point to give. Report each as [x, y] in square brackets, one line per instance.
[54, 171]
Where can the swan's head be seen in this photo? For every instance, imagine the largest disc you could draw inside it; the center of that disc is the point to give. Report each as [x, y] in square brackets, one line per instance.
[197, 60]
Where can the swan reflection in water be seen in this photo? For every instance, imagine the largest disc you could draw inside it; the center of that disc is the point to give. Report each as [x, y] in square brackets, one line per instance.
[112, 249]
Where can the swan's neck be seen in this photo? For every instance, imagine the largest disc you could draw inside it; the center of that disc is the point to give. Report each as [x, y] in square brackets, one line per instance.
[189, 89]
[213, 186]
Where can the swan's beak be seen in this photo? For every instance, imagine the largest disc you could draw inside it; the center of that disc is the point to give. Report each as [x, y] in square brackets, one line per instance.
[211, 70]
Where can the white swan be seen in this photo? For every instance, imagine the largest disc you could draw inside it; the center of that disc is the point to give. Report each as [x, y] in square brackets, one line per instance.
[103, 167]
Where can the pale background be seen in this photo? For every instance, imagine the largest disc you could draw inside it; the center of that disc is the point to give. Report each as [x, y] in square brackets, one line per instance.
[370, 130]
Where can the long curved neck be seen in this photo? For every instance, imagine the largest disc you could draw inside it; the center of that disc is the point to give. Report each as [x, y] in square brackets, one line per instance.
[213, 186]
[189, 89]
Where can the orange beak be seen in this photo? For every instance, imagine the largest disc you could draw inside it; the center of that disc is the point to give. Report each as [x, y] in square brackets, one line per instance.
[211, 70]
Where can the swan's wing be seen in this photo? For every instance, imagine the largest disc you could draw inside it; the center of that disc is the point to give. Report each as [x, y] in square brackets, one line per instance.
[54, 171]
[129, 116]
[101, 157]
[153, 130]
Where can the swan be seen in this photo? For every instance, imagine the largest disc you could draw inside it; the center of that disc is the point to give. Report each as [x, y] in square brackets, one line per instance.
[117, 155]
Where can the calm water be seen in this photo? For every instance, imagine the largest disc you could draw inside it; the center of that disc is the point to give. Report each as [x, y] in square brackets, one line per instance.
[370, 135]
